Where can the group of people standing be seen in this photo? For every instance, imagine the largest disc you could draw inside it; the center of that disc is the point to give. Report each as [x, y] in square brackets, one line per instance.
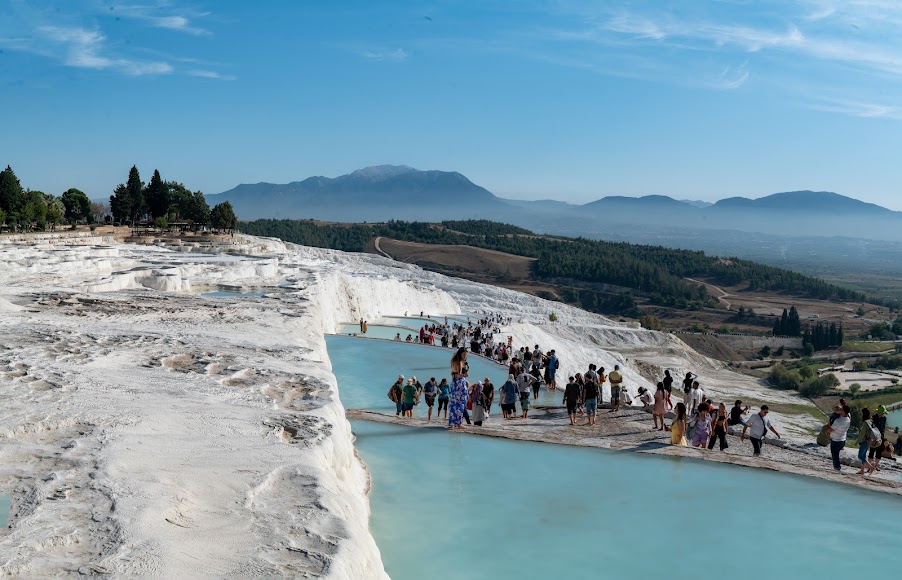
[873, 444]
[697, 422]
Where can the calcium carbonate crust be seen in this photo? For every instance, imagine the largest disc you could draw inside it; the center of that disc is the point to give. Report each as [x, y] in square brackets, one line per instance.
[148, 429]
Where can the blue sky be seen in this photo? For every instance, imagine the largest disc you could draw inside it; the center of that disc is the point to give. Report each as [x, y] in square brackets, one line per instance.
[570, 100]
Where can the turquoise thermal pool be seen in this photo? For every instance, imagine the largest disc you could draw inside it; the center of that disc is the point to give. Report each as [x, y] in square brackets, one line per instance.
[415, 323]
[376, 331]
[450, 505]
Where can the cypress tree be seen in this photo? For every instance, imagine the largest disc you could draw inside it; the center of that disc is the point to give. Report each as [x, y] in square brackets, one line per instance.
[784, 323]
[156, 195]
[795, 323]
[11, 193]
[135, 193]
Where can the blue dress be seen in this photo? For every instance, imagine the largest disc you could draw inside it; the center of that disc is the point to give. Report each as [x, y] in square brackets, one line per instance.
[458, 403]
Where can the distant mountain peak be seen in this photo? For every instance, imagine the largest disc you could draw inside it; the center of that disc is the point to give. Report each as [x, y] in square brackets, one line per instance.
[381, 172]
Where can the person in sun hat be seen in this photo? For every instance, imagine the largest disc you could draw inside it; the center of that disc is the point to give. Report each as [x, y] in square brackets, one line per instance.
[879, 420]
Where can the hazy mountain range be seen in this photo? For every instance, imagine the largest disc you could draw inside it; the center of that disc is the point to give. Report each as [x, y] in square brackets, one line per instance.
[398, 192]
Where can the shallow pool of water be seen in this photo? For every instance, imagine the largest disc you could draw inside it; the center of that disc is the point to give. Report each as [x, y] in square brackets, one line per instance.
[449, 505]
[411, 322]
[376, 331]
[5, 503]
[232, 294]
[894, 419]
[368, 368]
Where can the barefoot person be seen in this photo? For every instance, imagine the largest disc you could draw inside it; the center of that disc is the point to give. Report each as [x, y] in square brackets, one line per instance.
[457, 405]
[430, 392]
[678, 428]
[837, 431]
[616, 378]
[759, 424]
[396, 394]
[444, 394]
[702, 424]
[879, 421]
[866, 440]
[590, 400]
[509, 394]
[410, 395]
[657, 412]
[571, 398]
[720, 428]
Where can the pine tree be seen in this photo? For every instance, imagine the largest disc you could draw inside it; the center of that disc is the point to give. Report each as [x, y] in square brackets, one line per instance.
[795, 323]
[135, 193]
[156, 195]
[11, 193]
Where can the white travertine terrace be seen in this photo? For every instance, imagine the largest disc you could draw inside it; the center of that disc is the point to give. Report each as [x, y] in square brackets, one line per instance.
[149, 430]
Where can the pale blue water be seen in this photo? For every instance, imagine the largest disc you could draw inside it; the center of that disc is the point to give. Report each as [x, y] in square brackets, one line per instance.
[448, 505]
[415, 323]
[894, 419]
[5, 503]
[376, 331]
[232, 294]
[376, 365]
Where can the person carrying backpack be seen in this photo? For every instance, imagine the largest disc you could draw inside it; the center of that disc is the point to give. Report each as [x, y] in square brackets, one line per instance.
[868, 438]
[553, 365]
[396, 394]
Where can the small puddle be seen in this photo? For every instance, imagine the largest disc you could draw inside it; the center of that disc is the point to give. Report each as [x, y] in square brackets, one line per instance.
[5, 503]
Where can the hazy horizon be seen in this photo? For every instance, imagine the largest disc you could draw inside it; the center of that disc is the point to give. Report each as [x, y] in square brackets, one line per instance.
[571, 100]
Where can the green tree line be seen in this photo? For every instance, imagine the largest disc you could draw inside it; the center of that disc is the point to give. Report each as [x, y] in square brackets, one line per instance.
[158, 202]
[652, 271]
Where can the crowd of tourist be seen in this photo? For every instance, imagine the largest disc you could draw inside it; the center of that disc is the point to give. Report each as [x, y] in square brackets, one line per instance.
[695, 420]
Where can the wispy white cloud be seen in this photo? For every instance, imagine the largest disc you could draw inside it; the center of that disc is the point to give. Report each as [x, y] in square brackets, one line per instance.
[162, 16]
[83, 48]
[730, 78]
[859, 109]
[397, 55]
[798, 48]
[75, 38]
[209, 74]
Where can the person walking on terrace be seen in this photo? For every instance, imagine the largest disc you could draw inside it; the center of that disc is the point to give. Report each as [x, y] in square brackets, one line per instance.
[837, 431]
[591, 391]
[879, 421]
[720, 428]
[758, 424]
[868, 437]
[657, 412]
[396, 394]
[457, 405]
[571, 399]
[616, 378]
[410, 396]
[678, 427]
[444, 394]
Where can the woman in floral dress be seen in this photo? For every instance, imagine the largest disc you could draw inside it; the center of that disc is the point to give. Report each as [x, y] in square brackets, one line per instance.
[458, 403]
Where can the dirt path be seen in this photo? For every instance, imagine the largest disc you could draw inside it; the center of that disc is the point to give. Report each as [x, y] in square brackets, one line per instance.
[379, 248]
[723, 293]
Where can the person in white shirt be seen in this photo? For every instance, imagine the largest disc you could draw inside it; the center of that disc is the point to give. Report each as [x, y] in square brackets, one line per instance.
[696, 397]
[759, 425]
[837, 431]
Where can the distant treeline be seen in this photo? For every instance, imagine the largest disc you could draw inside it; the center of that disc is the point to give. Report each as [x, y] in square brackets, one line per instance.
[653, 271]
